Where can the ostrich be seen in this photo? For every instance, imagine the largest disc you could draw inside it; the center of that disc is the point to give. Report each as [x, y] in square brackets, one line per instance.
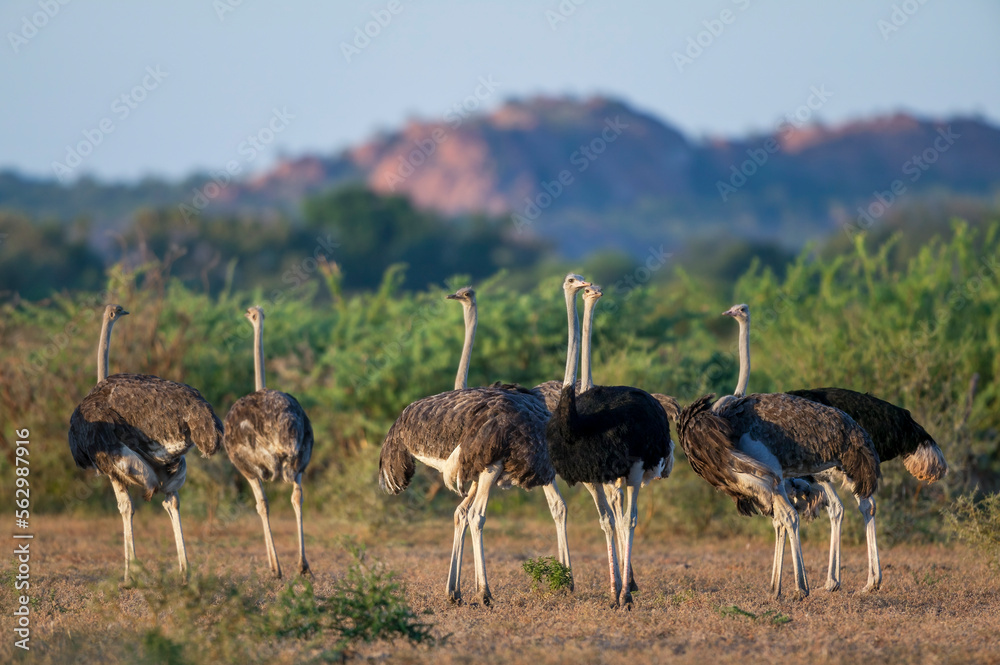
[269, 437]
[607, 438]
[135, 429]
[557, 506]
[746, 445]
[490, 436]
[893, 433]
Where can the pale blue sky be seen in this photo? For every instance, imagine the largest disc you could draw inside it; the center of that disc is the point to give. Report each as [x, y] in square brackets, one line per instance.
[225, 77]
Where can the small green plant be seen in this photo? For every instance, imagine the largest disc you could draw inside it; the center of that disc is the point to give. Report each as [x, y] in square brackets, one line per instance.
[772, 617]
[977, 523]
[297, 613]
[369, 603]
[549, 572]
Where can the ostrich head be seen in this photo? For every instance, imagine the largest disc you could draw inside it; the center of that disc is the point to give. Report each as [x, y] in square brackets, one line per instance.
[255, 315]
[739, 312]
[113, 312]
[573, 283]
[465, 295]
[592, 293]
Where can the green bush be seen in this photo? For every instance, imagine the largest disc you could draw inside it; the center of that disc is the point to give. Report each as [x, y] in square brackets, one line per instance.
[977, 523]
[547, 571]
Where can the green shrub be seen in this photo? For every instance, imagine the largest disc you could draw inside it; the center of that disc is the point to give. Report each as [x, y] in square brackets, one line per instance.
[978, 524]
[547, 571]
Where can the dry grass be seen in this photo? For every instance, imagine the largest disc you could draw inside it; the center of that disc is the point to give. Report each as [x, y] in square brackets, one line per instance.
[701, 601]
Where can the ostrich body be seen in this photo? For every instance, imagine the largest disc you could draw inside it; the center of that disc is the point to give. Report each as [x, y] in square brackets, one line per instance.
[269, 437]
[487, 436]
[136, 429]
[747, 445]
[893, 433]
[608, 438]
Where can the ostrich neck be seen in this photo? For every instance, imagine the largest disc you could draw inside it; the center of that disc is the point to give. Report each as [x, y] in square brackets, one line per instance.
[471, 321]
[741, 385]
[573, 347]
[102, 349]
[586, 378]
[258, 355]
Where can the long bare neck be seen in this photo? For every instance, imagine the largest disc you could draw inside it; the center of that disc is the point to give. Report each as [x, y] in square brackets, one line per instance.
[471, 321]
[588, 325]
[258, 355]
[741, 385]
[102, 349]
[573, 347]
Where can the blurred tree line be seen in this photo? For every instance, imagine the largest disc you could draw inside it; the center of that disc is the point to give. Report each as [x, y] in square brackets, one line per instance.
[360, 231]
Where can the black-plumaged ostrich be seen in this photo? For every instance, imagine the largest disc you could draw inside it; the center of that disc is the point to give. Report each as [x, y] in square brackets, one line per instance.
[893, 433]
[747, 445]
[269, 437]
[557, 506]
[135, 429]
[610, 438]
[489, 437]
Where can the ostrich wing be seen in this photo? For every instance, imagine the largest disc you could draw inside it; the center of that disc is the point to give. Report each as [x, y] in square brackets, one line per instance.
[505, 423]
[806, 437]
[268, 435]
[155, 418]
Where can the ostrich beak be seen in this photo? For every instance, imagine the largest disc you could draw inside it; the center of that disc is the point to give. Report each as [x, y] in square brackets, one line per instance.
[123, 313]
[452, 296]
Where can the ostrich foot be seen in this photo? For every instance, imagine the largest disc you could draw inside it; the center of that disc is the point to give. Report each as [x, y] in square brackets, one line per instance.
[832, 585]
[626, 600]
[487, 598]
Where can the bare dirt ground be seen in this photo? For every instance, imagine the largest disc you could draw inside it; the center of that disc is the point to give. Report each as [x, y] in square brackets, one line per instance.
[702, 601]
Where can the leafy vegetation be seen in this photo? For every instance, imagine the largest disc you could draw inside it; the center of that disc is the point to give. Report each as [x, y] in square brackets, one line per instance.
[924, 333]
[977, 522]
[227, 619]
[549, 572]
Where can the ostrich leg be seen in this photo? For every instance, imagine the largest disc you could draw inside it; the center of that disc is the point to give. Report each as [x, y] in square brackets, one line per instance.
[454, 587]
[127, 510]
[607, 520]
[867, 508]
[477, 517]
[557, 506]
[297, 507]
[258, 491]
[836, 511]
[172, 504]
